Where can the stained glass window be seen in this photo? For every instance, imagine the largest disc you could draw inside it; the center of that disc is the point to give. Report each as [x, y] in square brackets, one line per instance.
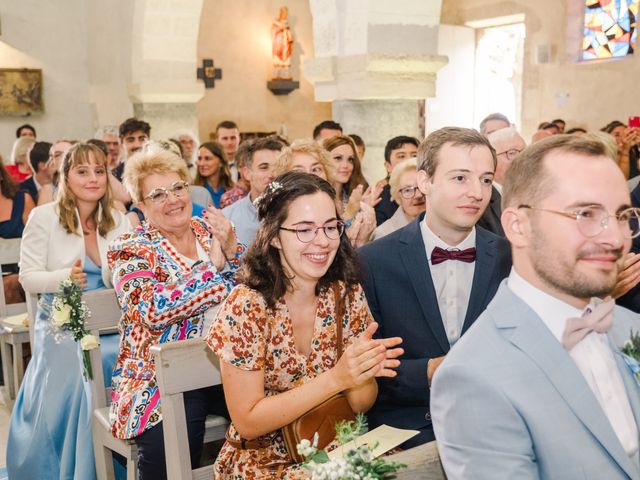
[609, 28]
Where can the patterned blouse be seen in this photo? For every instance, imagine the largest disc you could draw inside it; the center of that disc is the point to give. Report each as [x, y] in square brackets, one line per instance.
[162, 300]
[249, 335]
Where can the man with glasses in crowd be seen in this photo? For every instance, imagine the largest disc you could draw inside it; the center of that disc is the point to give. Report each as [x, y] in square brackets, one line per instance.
[539, 387]
[507, 143]
[429, 281]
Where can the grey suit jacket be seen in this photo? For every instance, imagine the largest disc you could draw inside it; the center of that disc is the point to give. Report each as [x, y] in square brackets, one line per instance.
[510, 403]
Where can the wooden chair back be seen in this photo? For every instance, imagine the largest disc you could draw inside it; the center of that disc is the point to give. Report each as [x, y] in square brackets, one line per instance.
[104, 318]
[10, 254]
[181, 367]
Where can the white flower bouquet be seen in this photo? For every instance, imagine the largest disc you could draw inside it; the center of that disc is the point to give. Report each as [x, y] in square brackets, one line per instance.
[356, 464]
[68, 313]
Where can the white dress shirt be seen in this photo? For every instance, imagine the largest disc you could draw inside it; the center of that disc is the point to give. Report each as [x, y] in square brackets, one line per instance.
[452, 280]
[592, 355]
[498, 187]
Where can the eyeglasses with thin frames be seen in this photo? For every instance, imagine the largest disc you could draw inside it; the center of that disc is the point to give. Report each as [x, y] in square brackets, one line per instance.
[409, 192]
[307, 233]
[161, 194]
[511, 154]
[592, 220]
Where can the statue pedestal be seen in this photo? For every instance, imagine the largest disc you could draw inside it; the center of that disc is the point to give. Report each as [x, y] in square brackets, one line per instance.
[282, 87]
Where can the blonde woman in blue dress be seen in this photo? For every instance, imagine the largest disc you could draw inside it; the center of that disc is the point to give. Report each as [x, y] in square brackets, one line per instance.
[50, 430]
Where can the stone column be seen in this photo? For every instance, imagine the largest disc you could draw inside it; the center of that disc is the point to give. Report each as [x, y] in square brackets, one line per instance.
[375, 60]
[164, 89]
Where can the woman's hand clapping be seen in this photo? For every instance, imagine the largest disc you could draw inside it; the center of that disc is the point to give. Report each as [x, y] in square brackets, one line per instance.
[224, 241]
[367, 358]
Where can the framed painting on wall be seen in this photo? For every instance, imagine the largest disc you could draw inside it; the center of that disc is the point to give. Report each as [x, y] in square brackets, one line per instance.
[20, 91]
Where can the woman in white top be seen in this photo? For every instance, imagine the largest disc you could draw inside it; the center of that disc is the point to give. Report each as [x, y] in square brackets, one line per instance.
[50, 431]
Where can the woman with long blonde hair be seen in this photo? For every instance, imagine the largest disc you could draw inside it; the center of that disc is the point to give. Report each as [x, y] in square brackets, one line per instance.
[50, 430]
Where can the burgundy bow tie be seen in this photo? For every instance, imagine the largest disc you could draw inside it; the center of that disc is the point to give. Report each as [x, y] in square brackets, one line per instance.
[599, 320]
[440, 255]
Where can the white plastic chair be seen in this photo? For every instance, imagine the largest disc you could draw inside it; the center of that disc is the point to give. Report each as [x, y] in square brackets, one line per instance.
[104, 318]
[181, 367]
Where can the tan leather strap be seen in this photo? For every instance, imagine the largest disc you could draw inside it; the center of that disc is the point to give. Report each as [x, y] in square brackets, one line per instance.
[339, 316]
[243, 444]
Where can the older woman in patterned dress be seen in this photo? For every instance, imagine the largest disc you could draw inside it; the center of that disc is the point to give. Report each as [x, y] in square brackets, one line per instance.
[169, 274]
[276, 333]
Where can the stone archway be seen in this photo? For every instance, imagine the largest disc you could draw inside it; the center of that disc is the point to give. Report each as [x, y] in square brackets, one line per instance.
[164, 89]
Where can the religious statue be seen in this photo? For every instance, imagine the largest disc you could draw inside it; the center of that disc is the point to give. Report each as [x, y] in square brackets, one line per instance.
[281, 46]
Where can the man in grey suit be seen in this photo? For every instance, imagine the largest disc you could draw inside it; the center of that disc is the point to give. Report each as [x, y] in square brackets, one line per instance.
[538, 387]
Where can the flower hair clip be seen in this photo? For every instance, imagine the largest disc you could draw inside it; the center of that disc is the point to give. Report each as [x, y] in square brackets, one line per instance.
[270, 189]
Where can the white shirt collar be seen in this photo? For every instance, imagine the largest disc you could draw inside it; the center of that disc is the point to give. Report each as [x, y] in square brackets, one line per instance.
[431, 240]
[498, 187]
[553, 311]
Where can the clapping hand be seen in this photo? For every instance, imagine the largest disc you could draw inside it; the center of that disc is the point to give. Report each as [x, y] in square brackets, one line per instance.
[224, 236]
[77, 274]
[372, 196]
[367, 358]
[628, 274]
[353, 205]
[362, 225]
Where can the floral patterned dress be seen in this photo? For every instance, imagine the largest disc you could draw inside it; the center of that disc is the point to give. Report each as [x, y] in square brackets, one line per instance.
[249, 335]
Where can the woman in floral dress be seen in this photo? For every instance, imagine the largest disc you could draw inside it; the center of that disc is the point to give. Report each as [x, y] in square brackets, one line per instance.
[276, 333]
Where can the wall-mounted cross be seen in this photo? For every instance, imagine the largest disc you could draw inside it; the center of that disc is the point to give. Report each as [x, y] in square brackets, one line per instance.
[209, 73]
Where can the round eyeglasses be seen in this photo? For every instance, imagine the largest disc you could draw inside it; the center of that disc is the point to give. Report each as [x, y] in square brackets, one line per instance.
[307, 233]
[409, 192]
[161, 194]
[511, 154]
[592, 220]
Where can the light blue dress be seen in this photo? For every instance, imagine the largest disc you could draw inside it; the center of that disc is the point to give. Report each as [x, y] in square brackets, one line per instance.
[50, 429]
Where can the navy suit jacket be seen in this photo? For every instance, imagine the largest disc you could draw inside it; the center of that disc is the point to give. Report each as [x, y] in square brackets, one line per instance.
[29, 186]
[402, 299]
[490, 219]
[631, 299]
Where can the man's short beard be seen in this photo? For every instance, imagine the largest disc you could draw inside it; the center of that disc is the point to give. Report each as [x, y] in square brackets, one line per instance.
[576, 287]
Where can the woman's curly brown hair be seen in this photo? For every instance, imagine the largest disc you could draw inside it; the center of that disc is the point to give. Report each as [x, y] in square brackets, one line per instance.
[262, 269]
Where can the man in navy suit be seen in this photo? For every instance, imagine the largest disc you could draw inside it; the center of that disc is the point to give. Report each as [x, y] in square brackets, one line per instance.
[429, 281]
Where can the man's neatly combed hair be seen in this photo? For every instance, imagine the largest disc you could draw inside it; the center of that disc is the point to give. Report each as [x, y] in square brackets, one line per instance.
[81, 154]
[132, 125]
[309, 147]
[262, 269]
[250, 147]
[152, 160]
[398, 142]
[429, 149]
[527, 181]
[326, 125]
[492, 116]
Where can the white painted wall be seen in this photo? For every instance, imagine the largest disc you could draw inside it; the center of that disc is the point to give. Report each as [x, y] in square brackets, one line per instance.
[453, 104]
[81, 48]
